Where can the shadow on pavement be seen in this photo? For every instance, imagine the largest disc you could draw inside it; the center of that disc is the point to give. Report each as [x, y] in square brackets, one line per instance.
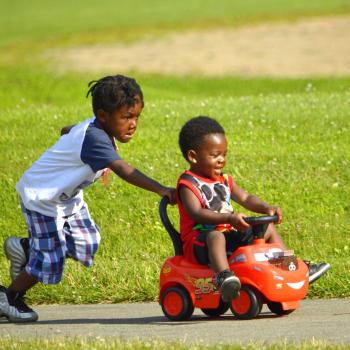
[156, 320]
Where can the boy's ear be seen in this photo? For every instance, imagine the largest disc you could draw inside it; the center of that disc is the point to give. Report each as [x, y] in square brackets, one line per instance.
[192, 156]
[101, 116]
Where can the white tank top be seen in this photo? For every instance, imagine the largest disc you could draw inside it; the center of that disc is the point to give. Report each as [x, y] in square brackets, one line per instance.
[53, 185]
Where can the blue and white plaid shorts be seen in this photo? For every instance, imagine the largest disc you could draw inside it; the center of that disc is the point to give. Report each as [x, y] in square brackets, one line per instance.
[52, 239]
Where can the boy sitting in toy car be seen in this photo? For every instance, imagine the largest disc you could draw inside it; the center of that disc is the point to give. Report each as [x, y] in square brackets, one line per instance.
[208, 226]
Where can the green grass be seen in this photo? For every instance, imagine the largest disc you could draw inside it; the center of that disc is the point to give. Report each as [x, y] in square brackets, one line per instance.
[86, 21]
[25, 86]
[100, 343]
[288, 139]
[290, 149]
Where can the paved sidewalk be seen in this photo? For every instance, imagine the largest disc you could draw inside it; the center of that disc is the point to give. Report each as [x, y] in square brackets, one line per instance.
[326, 320]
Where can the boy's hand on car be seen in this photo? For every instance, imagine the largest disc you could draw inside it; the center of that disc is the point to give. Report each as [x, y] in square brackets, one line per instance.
[238, 222]
[170, 193]
[275, 211]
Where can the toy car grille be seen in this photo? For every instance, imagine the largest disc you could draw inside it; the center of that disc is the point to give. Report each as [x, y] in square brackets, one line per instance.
[289, 263]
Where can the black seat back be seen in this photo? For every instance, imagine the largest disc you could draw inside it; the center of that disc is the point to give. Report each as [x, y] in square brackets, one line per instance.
[174, 234]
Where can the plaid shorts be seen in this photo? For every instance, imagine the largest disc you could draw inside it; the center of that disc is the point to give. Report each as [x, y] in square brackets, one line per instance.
[52, 239]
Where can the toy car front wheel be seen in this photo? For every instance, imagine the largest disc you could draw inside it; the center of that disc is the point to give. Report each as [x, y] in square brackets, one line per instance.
[177, 304]
[220, 310]
[247, 305]
[277, 309]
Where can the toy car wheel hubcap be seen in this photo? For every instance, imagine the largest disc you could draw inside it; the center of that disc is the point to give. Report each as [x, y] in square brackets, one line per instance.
[173, 303]
[242, 304]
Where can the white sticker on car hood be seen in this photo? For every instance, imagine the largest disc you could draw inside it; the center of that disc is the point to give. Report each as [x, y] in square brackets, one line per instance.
[296, 285]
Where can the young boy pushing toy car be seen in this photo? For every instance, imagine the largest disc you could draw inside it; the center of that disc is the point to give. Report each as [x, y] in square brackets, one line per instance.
[51, 193]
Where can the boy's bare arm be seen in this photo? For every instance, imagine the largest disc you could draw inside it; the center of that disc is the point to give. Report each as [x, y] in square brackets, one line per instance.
[137, 178]
[66, 129]
[206, 216]
[254, 203]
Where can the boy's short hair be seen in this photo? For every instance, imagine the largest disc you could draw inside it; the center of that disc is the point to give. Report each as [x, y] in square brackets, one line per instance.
[112, 92]
[193, 132]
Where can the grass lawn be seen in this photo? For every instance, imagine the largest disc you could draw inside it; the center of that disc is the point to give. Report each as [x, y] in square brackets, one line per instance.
[100, 343]
[288, 140]
[91, 21]
[277, 151]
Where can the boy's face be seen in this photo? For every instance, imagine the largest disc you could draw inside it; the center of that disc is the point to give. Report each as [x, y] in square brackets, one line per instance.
[122, 123]
[209, 159]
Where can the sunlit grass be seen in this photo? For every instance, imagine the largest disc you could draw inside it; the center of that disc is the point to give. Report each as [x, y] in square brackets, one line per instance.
[289, 149]
[72, 22]
[288, 139]
[100, 343]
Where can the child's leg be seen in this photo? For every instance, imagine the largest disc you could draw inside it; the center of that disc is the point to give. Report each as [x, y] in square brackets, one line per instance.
[272, 236]
[23, 282]
[215, 245]
[82, 237]
[47, 247]
[46, 261]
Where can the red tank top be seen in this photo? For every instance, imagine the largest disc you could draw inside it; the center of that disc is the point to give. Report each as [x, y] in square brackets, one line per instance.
[212, 194]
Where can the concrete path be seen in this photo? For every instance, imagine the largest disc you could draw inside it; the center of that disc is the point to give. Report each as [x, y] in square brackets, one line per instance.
[326, 320]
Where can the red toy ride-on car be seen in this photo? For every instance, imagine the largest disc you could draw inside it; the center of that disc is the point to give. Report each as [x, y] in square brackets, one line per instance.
[268, 275]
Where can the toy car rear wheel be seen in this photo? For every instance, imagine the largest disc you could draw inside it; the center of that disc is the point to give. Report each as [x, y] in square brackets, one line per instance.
[177, 304]
[277, 309]
[247, 305]
[220, 310]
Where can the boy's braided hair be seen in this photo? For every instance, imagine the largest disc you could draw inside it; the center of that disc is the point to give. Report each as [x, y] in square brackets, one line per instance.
[193, 132]
[112, 92]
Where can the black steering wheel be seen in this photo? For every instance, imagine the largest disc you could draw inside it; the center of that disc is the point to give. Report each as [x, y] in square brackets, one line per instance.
[258, 220]
[259, 224]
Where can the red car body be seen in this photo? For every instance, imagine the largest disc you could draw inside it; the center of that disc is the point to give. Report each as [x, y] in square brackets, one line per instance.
[267, 274]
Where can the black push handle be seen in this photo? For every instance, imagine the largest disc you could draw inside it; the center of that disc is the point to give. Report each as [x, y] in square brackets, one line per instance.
[174, 234]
